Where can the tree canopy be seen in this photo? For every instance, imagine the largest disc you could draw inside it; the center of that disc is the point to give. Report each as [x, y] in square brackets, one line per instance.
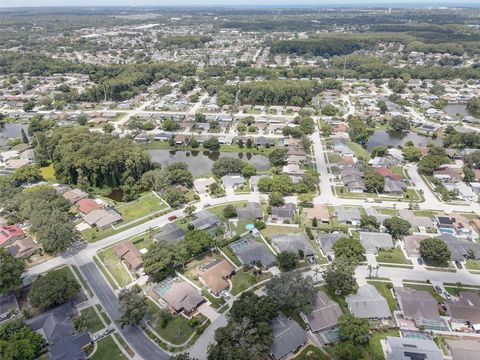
[350, 249]
[435, 252]
[133, 306]
[11, 270]
[339, 276]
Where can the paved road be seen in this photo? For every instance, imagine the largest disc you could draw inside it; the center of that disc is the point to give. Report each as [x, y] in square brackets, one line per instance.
[134, 336]
[199, 350]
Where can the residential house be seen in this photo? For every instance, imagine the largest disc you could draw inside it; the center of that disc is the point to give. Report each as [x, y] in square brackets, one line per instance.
[367, 303]
[466, 192]
[459, 248]
[23, 248]
[9, 234]
[215, 275]
[371, 211]
[323, 317]
[181, 139]
[251, 252]
[102, 218]
[179, 295]
[401, 348]
[205, 220]
[128, 253]
[373, 241]
[348, 215]
[285, 212]
[382, 162]
[202, 185]
[288, 337]
[463, 349]
[320, 212]
[420, 307]
[466, 308]
[422, 223]
[455, 222]
[75, 195]
[233, 181]
[394, 187]
[170, 232]
[412, 244]
[251, 211]
[264, 142]
[86, 206]
[254, 181]
[294, 242]
[327, 241]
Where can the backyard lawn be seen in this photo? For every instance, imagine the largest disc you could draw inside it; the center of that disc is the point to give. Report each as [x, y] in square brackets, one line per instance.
[386, 293]
[147, 204]
[177, 330]
[108, 350]
[374, 348]
[92, 321]
[272, 230]
[115, 266]
[394, 256]
[241, 281]
[359, 150]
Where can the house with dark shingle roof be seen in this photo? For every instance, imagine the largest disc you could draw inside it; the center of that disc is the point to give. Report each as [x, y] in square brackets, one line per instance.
[252, 252]
[285, 212]
[368, 303]
[372, 241]
[205, 220]
[288, 336]
[251, 211]
[170, 232]
[324, 313]
[294, 242]
[327, 241]
[465, 308]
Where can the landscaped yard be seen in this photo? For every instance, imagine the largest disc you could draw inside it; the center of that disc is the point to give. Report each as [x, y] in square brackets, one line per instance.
[311, 349]
[92, 321]
[108, 350]
[147, 204]
[359, 151]
[115, 266]
[391, 212]
[472, 264]
[177, 330]
[242, 280]
[272, 230]
[394, 256]
[386, 293]
[374, 348]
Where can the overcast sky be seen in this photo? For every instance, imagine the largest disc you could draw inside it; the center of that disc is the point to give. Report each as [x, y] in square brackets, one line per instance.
[247, 3]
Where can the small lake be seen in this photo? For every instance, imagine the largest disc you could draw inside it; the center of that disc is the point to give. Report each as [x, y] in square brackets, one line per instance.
[200, 162]
[10, 131]
[454, 109]
[396, 138]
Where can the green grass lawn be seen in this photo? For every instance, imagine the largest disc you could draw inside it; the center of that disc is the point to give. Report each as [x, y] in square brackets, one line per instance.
[374, 348]
[147, 204]
[216, 302]
[104, 314]
[386, 293]
[427, 288]
[391, 212]
[177, 330]
[108, 350]
[333, 157]
[394, 256]
[319, 355]
[339, 299]
[241, 281]
[115, 266]
[426, 213]
[272, 230]
[472, 264]
[359, 150]
[92, 321]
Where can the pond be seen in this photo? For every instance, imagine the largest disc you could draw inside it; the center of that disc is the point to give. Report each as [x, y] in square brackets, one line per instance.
[116, 195]
[454, 109]
[200, 162]
[396, 138]
[10, 131]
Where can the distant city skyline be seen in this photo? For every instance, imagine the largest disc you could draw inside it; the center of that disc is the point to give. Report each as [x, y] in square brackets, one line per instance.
[239, 3]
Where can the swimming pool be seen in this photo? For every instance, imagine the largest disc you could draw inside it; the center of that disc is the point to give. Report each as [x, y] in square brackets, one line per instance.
[448, 231]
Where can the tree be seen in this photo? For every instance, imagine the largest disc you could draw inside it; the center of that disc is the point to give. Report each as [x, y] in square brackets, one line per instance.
[226, 166]
[229, 211]
[256, 308]
[369, 222]
[174, 196]
[53, 289]
[374, 182]
[473, 106]
[196, 241]
[159, 261]
[287, 260]
[468, 174]
[349, 249]
[249, 170]
[397, 227]
[307, 125]
[189, 210]
[358, 130]
[170, 125]
[81, 119]
[278, 157]
[329, 110]
[435, 252]
[346, 350]
[353, 329]
[291, 291]
[379, 151]
[133, 306]
[399, 123]
[201, 118]
[412, 153]
[24, 137]
[28, 105]
[184, 356]
[339, 276]
[19, 342]
[276, 199]
[11, 270]
[382, 106]
[314, 222]
[211, 144]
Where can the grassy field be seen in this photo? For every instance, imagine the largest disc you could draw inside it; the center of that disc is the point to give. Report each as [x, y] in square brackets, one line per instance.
[115, 266]
[177, 330]
[359, 151]
[108, 350]
[104, 314]
[272, 230]
[374, 348]
[386, 293]
[147, 204]
[92, 321]
[242, 280]
[426, 213]
[394, 256]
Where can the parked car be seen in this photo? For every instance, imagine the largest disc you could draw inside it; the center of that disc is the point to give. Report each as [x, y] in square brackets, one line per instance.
[447, 295]
[419, 261]
[172, 218]
[459, 264]
[225, 294]
[438, 289]
[329, 258]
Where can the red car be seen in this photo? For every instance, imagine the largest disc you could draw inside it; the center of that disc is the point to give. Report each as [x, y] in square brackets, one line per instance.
[173, 217]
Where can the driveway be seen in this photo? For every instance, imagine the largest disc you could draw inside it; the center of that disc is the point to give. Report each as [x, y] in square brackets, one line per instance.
[134, 336]
[199, 350]
[209, 312]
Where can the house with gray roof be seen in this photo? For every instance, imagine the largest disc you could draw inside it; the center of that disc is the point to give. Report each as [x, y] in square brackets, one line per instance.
[255, 179]
[71, 347]
[170, 232]
[372, 241]
[179, 295]
[418, 222]
[285, 212]
[367, 303]
[251, 211]
[394, 187]
[251, 252]
[465, 308]
[419, 306]
[401, 348]
[294, 242]
[463, 349]
[205, 220]
[232, 181]
[459, 248]
[348, 215]
[378, 216]
[327, 241]
[288, 336]
[324, 313]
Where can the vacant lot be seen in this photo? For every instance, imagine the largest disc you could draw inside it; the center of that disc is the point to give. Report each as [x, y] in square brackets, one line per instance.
[147, 204]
